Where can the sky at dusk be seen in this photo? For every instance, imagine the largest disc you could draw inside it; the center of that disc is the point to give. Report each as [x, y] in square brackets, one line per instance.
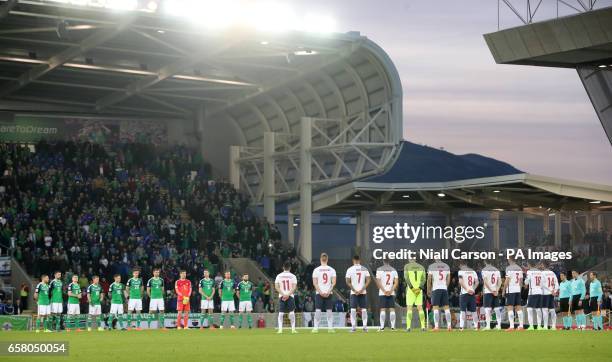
[540, 120]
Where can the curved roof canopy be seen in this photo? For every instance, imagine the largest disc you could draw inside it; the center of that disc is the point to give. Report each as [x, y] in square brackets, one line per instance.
[91, 60]
[233, 86]
[424, 178]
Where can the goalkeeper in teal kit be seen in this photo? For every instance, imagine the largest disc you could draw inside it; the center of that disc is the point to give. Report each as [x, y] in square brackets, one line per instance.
[595, 300]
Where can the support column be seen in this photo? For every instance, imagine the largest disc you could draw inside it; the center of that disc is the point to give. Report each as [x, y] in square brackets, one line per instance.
[358, 233]
[588, 221]
[520, 219]
[234, 167]
[558, 223]
[269, 198]
[545, 225]
[572, 228]
[600, 222]
[449, 222]
[198, 126]
[290, 227]
[365, 236]
[496, 234]
[306, 189]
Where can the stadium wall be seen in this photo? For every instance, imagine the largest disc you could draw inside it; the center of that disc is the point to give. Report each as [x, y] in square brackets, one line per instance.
[30, 128]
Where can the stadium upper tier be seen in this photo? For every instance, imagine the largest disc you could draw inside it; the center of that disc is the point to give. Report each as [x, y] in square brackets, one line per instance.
[230, 87]
[582, 41]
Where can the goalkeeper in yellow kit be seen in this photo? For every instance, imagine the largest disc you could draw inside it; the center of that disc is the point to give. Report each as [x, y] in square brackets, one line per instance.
[414, 275]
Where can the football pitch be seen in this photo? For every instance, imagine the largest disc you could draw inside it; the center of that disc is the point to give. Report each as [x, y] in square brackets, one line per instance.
[264, 344]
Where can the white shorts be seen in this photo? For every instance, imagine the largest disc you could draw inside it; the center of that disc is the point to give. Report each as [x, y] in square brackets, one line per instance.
[156, 305]
[246, 306]
[207, 304]
[74, 309]
[95, 309]
[57, 308]
[116, 309]
[44, 310]
[134, 304]
[228, 306]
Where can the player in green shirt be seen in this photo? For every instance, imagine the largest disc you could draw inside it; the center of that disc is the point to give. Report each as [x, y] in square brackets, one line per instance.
[57, 299]
[115, 291]
[155, 291]
[94, 297]
[226, 289]
[41, 296]
[244, 292]
[73, 319]
[207, 305]
[134, 293]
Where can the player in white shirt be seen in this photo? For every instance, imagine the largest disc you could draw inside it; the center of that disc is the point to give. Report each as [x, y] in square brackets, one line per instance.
[512, 291]
[534, 299]
[438, 279]
[550, 287]
[386, 280]
[491, 280]
[324, 281]
[468, 280]
[358, 279]
[286, 284]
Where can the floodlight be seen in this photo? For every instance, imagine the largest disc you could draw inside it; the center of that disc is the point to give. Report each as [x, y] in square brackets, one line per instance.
[122, 4]
[152, 6]
[272, 17]
[315, 23]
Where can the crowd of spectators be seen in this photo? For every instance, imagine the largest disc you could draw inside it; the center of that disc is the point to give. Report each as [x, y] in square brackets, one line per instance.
[88, 209]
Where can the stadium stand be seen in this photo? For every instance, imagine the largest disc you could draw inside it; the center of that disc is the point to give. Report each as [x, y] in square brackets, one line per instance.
[88, 209]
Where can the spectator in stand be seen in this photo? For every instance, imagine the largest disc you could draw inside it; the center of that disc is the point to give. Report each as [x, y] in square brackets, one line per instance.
[103, 210]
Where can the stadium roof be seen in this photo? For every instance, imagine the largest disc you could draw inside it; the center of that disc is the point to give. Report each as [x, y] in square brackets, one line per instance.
[424, 178]
[584, 38]
[56, 57]
[582, 41]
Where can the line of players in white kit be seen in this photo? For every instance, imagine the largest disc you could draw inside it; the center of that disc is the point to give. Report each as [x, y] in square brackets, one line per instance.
[542, 286]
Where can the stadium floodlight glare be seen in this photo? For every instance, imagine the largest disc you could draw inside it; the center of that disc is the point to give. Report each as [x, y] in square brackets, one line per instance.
[603, 66]
[318, 24]
[441, 194]
[496, 191]
[272, 17]
[305, 52]
[122, 4]
[108, 4]
[595, 202]
[265, 17]
[406, 196]
[211, 14]
[152, 6]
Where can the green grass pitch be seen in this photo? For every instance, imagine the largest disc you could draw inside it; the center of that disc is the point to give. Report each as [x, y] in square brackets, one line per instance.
[264, 344]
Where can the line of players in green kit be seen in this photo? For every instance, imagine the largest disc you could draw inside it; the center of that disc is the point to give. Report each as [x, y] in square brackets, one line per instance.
[49, 296]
